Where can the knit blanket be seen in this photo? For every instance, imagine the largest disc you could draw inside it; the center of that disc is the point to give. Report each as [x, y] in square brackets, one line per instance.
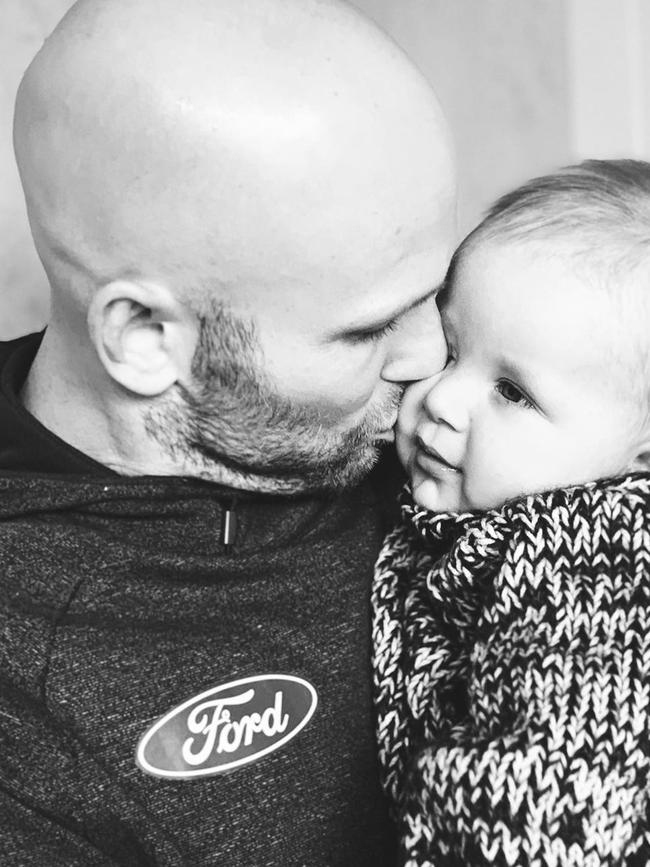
[512, 680]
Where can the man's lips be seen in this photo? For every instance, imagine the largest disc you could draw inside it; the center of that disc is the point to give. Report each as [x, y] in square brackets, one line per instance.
[428, 455]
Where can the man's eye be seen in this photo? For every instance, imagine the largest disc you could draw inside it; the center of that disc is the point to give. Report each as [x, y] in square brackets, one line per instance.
[512, 393]
[374, 334]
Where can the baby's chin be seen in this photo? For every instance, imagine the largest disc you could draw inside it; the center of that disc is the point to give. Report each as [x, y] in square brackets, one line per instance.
[436, 496]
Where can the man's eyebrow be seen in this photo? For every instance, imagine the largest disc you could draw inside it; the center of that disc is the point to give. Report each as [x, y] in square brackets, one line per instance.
[389, 316]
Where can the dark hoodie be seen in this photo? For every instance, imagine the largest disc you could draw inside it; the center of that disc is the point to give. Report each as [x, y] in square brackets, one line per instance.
[119, 602]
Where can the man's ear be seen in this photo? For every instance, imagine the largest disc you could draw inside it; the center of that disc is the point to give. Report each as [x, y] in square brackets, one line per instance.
[143, 335]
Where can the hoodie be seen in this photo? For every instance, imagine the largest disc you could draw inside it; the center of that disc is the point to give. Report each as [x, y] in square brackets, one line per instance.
[168, 697]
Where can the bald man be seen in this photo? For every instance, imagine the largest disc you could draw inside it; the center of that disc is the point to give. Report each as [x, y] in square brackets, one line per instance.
[244, 209]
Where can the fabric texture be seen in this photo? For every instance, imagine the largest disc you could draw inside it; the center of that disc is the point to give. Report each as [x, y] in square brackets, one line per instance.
[512, 680]
[25, 444]
[119, 601]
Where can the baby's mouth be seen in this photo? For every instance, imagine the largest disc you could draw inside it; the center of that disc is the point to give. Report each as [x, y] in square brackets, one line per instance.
[435, 455]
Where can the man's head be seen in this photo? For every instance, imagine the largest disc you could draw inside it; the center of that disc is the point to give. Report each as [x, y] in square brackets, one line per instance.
[237, 197]
[546, 311]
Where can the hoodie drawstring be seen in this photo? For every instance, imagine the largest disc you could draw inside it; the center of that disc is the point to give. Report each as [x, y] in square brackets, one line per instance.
[229, 526]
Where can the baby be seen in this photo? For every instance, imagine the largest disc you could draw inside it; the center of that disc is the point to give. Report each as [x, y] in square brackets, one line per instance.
[512, 604]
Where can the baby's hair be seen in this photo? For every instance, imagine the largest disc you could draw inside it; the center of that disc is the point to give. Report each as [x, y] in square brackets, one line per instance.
[598, 207]
[597, 214]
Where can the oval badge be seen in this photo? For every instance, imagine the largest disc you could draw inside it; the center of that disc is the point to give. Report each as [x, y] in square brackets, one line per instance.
[227, 726]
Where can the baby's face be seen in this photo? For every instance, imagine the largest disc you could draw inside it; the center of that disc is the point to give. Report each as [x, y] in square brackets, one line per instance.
[535, 393]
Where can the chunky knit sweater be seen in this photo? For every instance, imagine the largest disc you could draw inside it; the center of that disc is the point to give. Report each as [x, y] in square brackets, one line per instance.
[512, 669]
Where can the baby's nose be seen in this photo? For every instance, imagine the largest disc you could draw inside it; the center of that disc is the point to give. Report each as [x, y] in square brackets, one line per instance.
[447, 401]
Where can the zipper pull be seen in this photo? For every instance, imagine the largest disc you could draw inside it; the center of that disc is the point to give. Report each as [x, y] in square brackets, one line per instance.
[229, 527]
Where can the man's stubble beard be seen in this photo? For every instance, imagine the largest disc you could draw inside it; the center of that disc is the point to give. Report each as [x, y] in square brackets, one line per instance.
[230, 425]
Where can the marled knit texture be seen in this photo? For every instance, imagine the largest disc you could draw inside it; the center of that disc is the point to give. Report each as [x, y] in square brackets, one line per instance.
[512, 680]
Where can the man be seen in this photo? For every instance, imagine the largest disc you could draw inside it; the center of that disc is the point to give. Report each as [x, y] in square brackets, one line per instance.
[244, 208]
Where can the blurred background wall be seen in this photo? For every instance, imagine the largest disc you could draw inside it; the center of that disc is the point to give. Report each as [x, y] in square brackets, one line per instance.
[527, 85]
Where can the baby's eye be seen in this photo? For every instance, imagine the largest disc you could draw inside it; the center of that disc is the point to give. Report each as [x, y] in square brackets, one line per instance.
[512, 393]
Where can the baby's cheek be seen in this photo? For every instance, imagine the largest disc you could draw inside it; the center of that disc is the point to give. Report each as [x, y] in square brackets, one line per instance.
[405, 446]
[407, 420]
[438, 494]
[426, 493]
[489, 482]
[410, 406]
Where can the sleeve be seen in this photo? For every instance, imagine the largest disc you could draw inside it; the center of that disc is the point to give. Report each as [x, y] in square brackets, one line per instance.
[551, 765]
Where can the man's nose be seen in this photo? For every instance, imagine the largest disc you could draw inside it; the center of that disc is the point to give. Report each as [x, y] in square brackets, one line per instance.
[448, 401]
[417, 348]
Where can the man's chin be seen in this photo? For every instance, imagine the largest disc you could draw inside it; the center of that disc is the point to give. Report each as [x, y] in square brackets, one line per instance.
[345, 473]
[342, 469]
[289, 454]
[357, 452]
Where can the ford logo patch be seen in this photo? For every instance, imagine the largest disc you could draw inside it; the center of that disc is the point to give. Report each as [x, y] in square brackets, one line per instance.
[227, 726]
